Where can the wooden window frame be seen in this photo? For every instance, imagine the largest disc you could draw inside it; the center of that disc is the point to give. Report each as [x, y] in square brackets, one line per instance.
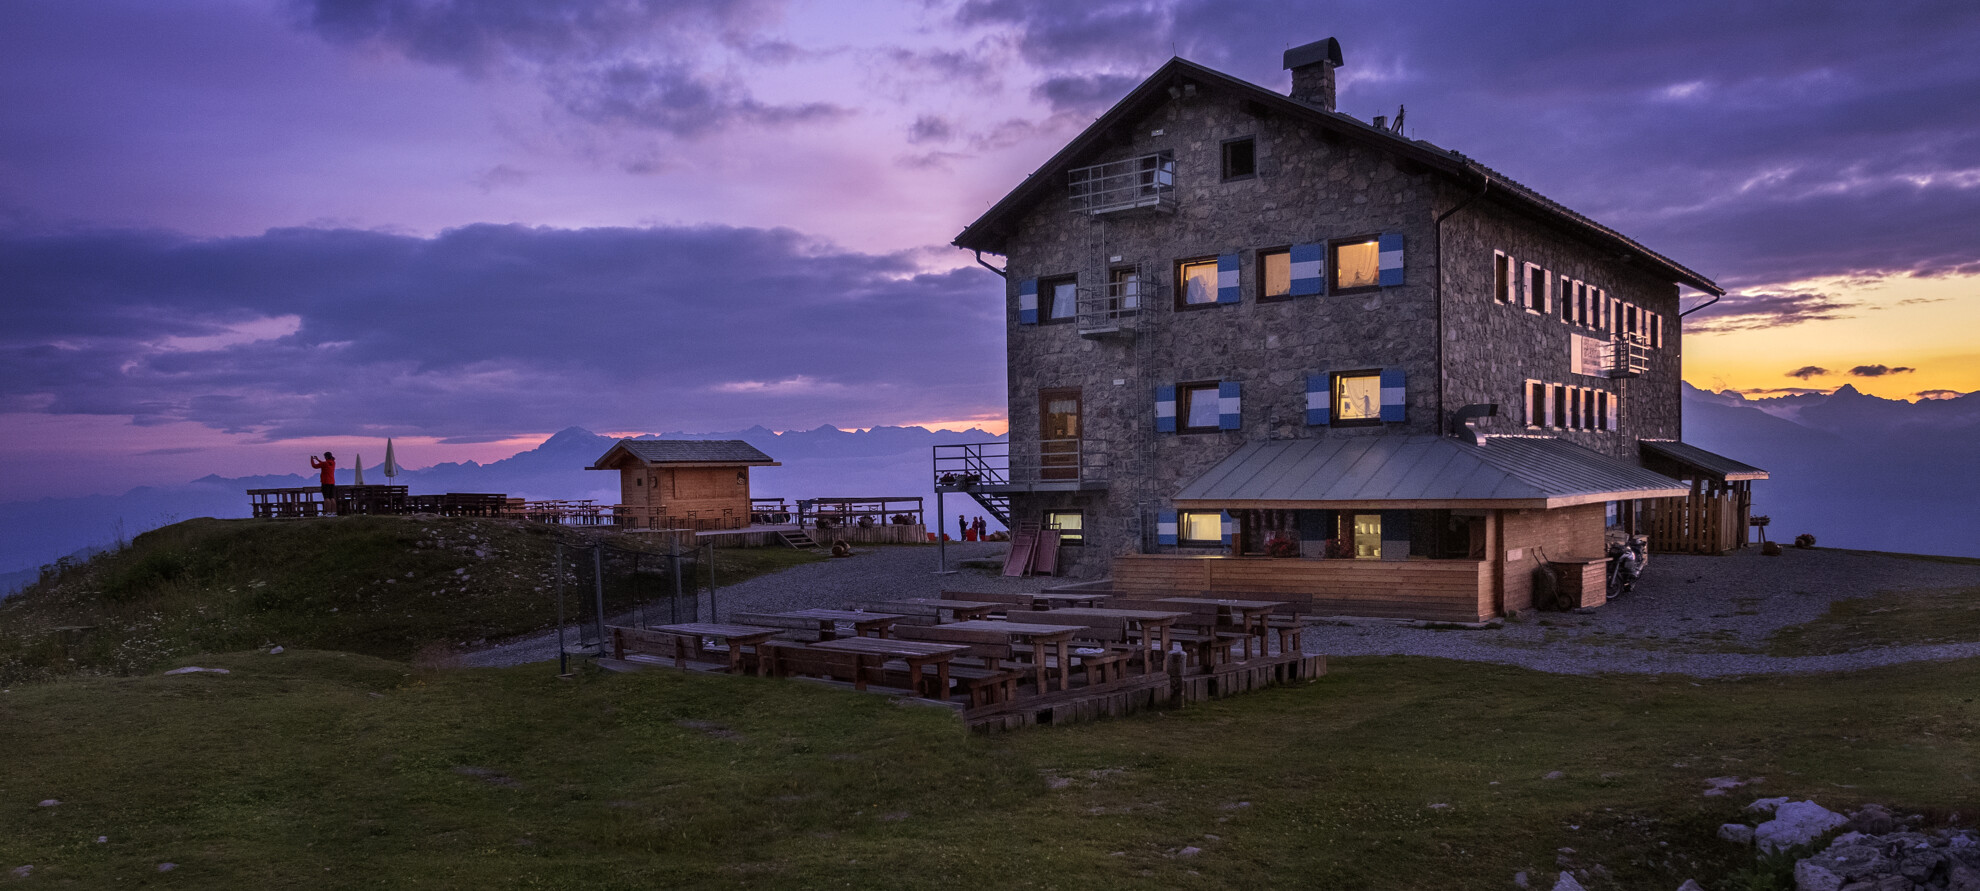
[1502, 277]
[1182, 284]
[1334, 418]
[1046, 284]
[1258, 264]
[1183, 400]
[1334, 264]
[1078, 539]
[1224, 158]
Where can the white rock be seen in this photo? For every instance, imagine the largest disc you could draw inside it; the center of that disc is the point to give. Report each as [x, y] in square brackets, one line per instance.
[1766, 805]
[1794, 823]
[275, 651]
[167, 867]
[22, 872]
[1809, 877]
[194, 669]
[1737, 833]
[1690, 885]
[51, 802]
[1567, 883]
[1520, 880]
[1554, 775]
[1190, 851]
[102, 838]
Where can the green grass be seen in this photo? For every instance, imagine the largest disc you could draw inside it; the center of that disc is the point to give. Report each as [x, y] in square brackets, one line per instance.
[1889, 618]
[380, 586]
[328, 770]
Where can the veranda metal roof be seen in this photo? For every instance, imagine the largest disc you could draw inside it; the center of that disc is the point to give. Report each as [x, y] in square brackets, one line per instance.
[1692, 458]
[1399, 472]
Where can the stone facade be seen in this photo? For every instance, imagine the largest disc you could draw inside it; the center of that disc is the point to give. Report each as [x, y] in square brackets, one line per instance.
[1309, 187]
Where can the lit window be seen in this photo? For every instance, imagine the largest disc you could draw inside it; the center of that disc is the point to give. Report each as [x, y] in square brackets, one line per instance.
[1357, 398]
[1196, 283]
[1240, 158]
[1196, 405]
[1274, 274]
[1367, 535]
[1357, 264]
[1201, 527]
[1070, 523]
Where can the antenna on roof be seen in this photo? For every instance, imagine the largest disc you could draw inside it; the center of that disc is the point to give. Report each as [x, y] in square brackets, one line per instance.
[1396, 126]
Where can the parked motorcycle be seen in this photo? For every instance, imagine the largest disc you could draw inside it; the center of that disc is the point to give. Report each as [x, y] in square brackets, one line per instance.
[1627, 560]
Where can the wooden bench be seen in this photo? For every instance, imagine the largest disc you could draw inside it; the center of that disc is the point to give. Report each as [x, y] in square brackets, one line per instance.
[1203, 637]
[797, 629]
[992, 683]
[1017, 601]
[1109, 635]
[797, 660]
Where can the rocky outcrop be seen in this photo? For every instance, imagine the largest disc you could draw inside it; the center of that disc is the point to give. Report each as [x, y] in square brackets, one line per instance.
[1878, 851]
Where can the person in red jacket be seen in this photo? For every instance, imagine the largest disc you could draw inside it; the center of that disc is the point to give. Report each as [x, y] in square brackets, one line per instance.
[329, 477]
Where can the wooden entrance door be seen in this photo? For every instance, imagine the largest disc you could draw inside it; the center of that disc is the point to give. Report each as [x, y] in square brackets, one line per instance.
[1058, 433]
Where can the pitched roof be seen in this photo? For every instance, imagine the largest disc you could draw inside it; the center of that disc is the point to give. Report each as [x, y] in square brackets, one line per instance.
[1405, 471]
[990, 231]
[685, 451]
[1686, 456]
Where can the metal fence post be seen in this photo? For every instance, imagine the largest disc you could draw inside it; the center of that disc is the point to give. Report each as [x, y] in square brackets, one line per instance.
[674, 545]
[598, 587]
[712, 612]
[563, 649]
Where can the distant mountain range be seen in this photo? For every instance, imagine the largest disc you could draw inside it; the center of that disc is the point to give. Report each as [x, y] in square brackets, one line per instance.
[1855, 470]
[826, 462]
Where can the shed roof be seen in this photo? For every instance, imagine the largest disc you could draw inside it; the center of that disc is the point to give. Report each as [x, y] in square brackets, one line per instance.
[1420, 471]
[991, 230]
[682, 451]
[1692, 458]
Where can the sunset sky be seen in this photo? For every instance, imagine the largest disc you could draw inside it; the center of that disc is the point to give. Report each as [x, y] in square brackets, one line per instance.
[236, 231]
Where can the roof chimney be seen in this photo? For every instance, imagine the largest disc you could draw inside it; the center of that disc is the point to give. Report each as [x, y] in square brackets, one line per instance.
[1313, 67]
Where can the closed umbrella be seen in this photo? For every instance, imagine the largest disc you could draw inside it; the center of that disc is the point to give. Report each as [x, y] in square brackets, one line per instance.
[391, 464]
[359, 481]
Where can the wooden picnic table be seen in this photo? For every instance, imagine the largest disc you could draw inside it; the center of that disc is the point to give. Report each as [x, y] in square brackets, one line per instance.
[1146, 622]
[1250, 615]
[934, 606]
[1063, 599]
[918, 654]
[688, 637]
[828, 620]
[1039, 637]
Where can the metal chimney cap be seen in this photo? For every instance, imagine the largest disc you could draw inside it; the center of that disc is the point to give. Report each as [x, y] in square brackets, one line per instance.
[1328, 51]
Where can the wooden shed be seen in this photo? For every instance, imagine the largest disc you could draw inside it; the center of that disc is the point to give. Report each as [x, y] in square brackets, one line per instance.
[696, 484]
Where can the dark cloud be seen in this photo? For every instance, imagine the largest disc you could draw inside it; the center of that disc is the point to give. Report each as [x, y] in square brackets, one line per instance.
[1807, 371]
[1879, 370]
[1741, 312]
[1089, 93]
[1779, 391]
[1757, 143]
[637, 62]
[487, 331]
[931, 128]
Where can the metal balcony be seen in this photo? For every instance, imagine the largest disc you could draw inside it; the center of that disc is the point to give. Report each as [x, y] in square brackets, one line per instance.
[1145, 182]
[1052, 465]
[1629, 355]
[1112, 311]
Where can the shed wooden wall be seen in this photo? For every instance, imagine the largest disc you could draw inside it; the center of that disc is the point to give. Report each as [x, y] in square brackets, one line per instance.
[674, 491]
[1529, 538]
[1438, 590]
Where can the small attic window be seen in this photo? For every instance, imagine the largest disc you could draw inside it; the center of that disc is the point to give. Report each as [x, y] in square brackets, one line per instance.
[1240, 158]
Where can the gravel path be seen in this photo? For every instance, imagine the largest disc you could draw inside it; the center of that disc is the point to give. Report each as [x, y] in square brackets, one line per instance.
[1683, 617]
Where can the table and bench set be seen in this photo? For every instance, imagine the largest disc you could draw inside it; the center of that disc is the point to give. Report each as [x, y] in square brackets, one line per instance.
[983, 649]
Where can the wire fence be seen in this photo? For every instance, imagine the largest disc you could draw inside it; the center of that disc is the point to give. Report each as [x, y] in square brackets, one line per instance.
[601, 584]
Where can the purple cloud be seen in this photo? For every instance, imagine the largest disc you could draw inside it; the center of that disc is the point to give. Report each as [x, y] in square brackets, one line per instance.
[1741, 312]
[486, 330]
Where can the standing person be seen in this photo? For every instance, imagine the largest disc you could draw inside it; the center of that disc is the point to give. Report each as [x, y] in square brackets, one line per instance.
[328, 466]
[962, 528]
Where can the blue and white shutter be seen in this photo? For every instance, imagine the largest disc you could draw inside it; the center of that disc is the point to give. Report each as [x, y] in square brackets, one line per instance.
[1317, 396]
[1228, 290]
[1165, 409]
[1393, 395]
[1228, 409]
[1165, 527]
[1028, 302]
[1230, 526]
[1308, 269]
[1390, 258]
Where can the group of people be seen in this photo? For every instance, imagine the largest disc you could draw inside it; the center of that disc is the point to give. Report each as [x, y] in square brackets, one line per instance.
[972, 530]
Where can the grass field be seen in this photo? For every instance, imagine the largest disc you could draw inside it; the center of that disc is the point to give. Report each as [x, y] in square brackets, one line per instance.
[333, 770]
[390, 587]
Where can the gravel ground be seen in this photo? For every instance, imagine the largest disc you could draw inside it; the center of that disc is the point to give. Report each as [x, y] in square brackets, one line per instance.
[1682, 617]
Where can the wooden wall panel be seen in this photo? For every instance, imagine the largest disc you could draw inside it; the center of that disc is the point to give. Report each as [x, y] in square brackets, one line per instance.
[1441, 590]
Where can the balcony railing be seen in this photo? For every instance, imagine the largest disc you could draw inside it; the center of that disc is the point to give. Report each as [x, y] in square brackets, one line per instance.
[1629, 355]
[1113, 309]
[965, 466]
[1147, 181]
